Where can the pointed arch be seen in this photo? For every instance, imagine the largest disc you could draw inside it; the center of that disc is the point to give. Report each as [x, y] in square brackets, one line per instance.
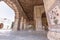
[12, 4]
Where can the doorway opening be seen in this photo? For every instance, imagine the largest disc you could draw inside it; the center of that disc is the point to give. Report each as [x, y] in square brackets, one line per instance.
[44, 21]
[7, 16]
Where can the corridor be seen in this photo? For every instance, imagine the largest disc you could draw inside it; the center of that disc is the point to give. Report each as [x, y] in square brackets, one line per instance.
[23, 35]
[29, 19]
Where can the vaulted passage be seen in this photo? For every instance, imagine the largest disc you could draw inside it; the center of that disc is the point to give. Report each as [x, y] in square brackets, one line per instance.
[29, 19]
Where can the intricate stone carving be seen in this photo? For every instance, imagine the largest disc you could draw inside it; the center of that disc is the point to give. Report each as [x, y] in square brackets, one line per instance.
[54, 15]
[54, 21]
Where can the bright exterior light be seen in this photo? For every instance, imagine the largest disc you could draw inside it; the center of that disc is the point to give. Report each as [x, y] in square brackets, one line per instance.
[7, 15]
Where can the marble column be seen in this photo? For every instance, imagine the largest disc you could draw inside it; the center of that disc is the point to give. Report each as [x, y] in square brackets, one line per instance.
[25, 24]
[37, 17]
[15, 26]
[52, 8]
[21, 24]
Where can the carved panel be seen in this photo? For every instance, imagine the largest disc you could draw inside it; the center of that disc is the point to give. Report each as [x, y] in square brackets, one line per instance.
[54, 15]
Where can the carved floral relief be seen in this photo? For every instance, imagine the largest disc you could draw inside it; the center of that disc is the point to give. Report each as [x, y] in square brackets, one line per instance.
[54, 15]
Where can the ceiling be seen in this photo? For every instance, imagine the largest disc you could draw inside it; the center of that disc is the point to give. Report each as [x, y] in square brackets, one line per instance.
[28, 6]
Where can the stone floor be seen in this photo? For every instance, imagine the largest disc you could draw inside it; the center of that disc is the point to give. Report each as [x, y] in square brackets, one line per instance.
[23, 35]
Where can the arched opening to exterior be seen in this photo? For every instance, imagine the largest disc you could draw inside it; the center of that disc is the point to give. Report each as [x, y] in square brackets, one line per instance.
[7, 16]
[15, 12]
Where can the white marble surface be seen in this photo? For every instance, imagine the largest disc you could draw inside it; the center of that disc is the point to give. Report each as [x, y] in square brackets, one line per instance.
[23, 35]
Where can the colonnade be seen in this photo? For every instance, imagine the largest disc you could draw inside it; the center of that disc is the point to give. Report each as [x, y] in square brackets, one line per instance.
[19, 25]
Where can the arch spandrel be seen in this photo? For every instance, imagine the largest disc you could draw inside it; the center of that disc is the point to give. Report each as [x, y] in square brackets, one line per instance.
[13, 6]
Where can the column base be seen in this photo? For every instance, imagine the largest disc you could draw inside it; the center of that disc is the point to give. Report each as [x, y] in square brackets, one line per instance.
[53, 35]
